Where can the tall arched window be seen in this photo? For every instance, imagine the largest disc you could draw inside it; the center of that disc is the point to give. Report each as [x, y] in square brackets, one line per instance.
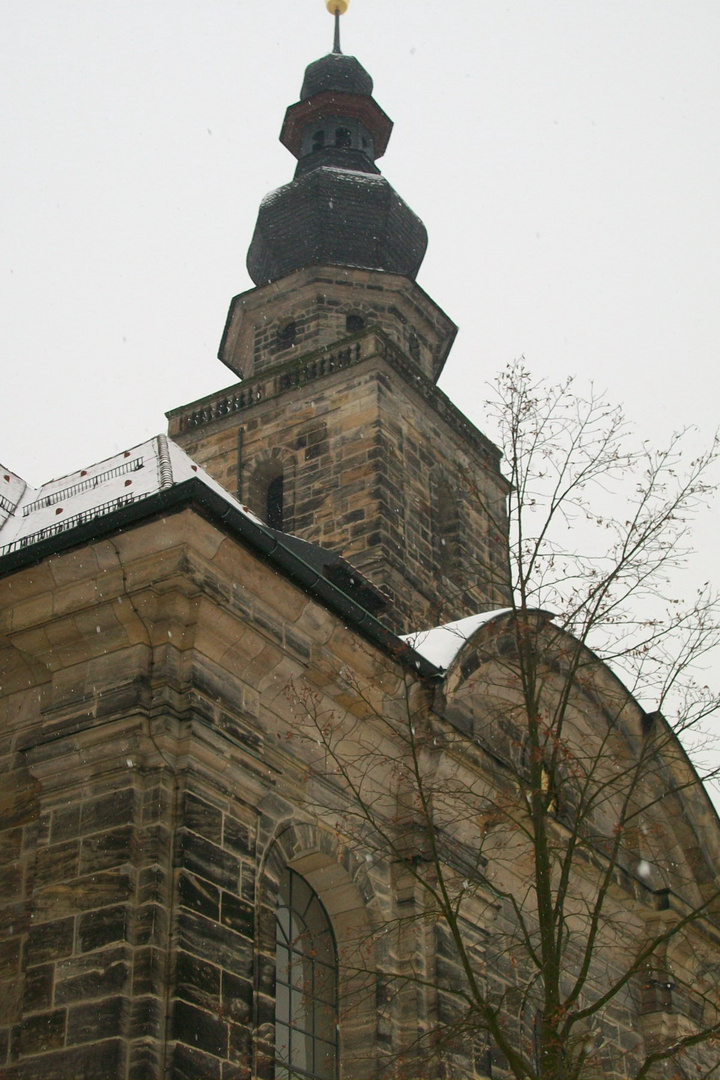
[287, 332]
[306, 999]
[274, 503]
[445, 519]
[268, 488]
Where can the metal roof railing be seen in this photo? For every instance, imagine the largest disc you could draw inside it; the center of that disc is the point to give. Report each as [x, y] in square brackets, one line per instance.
[68, 523]
[83, 485]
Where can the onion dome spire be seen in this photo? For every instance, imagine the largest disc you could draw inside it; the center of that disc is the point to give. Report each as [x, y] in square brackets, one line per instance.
[338, 210]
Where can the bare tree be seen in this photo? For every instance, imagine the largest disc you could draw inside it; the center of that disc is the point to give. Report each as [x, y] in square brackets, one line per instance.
[551, 836]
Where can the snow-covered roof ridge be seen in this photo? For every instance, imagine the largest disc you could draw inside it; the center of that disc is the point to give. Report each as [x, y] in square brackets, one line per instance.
[164, 462]
[29, 515]
[441, 644]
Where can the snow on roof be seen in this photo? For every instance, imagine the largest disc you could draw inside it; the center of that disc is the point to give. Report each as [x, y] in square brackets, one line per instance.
[441, 644]
[12, 488]
[28, 515]
[352, 174]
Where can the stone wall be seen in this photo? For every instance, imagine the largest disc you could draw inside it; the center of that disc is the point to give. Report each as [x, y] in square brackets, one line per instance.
[158, 775]
[150, 797]
[364, 445]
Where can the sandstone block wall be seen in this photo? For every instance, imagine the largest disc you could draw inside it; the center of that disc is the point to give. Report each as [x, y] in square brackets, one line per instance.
[365, 448]
[150, 799]
[155, 783]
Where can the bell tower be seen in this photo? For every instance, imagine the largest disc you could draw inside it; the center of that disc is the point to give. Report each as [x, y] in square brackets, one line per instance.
[336, 431]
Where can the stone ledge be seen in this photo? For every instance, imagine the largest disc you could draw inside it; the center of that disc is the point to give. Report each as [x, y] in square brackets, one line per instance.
[320, 364]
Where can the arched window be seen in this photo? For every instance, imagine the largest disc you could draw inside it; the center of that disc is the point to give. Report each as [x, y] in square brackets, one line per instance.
[343, 136]
[274, 503]
[354, 324]
[268, 488]
[286, 334]
[445, 517]
[306, 998]
[318, 141]
[414, 346]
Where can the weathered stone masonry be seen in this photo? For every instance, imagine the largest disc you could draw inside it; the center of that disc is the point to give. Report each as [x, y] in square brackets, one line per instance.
[360, 433]
[142, 768]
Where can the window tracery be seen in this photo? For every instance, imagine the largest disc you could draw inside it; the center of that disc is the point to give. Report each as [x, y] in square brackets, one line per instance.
[306, 978]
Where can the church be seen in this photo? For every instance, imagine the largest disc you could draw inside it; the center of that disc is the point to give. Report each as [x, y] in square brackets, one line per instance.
[259, 699]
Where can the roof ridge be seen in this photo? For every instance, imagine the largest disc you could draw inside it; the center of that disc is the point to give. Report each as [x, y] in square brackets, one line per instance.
[165, 468]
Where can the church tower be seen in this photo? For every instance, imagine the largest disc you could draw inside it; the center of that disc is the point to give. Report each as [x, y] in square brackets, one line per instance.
[337, 432]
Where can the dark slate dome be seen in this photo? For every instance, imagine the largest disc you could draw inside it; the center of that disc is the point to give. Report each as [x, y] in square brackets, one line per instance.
[335, 217]
[336, 72]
